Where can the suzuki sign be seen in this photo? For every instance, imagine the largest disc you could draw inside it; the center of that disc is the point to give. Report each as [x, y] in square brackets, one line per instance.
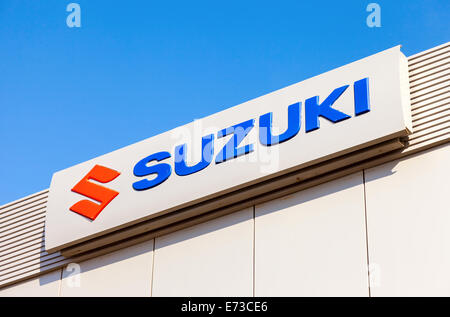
[343, 110]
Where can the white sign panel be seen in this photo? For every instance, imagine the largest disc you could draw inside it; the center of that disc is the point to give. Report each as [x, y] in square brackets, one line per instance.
[345, 109]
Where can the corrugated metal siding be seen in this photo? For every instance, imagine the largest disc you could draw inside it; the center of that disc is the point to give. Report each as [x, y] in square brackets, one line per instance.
[429, 78]
[22, 252]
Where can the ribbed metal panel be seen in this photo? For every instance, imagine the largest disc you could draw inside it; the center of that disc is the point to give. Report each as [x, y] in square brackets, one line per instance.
[22, 252]
[429, 78]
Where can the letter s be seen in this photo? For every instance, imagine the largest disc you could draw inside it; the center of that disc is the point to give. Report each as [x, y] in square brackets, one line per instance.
[162, 170]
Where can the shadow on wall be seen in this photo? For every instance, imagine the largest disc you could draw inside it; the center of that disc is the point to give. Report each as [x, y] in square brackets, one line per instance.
[110, 258]
[204, 228]
[389, 168]
[313, 193]
[49, 278]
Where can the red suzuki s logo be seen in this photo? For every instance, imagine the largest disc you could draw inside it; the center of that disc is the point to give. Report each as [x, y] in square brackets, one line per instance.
[94, 191]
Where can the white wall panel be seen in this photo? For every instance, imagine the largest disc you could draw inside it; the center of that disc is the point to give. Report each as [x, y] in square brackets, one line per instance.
[46, 285]
[214, 258]
[408, 208]
[313, 243]
[126, 272]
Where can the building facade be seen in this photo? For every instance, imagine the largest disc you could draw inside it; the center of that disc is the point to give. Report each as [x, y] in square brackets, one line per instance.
[370, 221]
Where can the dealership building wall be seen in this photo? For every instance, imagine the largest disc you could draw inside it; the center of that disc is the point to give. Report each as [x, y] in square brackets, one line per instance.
[379, 227]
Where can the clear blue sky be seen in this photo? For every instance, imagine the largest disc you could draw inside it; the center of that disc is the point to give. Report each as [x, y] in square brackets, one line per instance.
[138, 68]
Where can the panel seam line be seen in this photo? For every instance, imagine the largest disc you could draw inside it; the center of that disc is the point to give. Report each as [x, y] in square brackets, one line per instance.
[367, 232]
